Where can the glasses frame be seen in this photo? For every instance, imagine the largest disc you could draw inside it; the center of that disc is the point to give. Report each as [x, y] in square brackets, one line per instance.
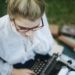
[29, 29]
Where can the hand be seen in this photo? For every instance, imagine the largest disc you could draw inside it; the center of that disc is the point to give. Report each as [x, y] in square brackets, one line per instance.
[22, 72]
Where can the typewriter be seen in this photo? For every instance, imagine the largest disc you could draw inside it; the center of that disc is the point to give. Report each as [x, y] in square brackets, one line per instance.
[43, 65]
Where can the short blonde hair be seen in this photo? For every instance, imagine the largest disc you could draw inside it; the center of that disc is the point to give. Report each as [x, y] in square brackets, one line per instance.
[30, 9]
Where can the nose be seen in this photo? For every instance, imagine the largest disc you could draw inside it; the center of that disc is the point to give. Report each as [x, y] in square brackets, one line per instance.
[28, 34]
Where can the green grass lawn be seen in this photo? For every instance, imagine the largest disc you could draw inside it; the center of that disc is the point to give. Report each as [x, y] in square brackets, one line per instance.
[58, 11]
[3, 8]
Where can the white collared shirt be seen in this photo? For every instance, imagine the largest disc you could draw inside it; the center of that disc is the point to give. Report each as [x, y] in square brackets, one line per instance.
[14, 48]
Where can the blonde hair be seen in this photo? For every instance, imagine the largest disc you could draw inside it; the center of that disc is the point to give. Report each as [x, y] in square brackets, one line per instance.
[30, 9]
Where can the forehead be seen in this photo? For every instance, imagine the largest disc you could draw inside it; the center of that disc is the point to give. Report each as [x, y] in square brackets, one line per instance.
[20, 21]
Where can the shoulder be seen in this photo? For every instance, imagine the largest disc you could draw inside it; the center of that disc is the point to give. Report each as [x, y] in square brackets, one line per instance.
[3, 21]
[44, 17]
[46, 25]
[3, 18]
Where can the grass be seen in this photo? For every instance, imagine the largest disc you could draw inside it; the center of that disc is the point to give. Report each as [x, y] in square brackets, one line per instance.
[58, 11]
[3, 8]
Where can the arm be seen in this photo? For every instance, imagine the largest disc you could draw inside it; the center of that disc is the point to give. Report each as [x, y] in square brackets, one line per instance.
[7, 69]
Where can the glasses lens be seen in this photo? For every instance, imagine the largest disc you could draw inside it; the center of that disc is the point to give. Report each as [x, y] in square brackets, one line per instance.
[36, 29]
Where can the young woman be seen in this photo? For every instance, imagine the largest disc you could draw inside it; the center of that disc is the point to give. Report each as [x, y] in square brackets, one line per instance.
[24, 32]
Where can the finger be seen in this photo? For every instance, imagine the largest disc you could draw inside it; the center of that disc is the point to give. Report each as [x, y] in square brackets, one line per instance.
[30, 71]
[33, 73]
[27, 73]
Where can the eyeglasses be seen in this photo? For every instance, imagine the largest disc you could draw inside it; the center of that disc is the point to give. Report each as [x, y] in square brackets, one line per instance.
[28, 29]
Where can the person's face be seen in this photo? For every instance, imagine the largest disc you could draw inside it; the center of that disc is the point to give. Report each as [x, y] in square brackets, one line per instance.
[26, 27]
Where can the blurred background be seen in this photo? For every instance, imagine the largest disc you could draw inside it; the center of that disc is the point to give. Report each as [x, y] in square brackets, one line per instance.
[59, 13]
